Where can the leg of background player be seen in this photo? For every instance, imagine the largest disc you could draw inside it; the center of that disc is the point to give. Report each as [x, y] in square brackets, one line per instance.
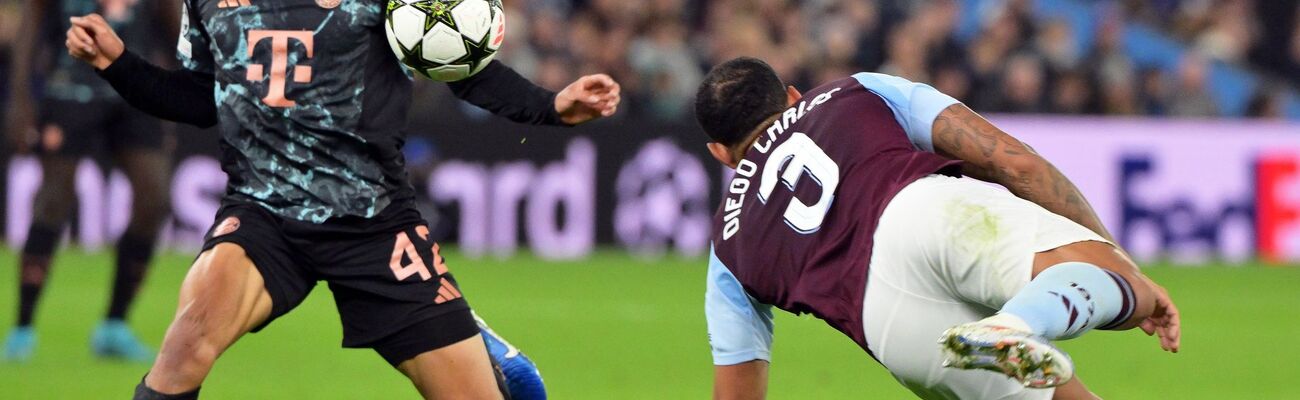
[222, 298]
[148, 173]
[50, 211]
[459, 371]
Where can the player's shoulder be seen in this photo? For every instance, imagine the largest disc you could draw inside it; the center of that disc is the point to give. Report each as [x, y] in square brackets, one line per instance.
[890, 87]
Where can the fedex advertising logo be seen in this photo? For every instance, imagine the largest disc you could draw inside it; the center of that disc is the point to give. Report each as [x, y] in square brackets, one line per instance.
[1263, 222]
[1186, 191]
[1183, 191]
[1277, 205]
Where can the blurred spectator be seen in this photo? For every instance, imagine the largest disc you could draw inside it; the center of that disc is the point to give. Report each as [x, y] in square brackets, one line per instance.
[1023, 80]
[1267, 104]
[666, 66]
[1057, 45]
[1191, 98]
[1071, 94]
[1230, 32]
[1155, 92]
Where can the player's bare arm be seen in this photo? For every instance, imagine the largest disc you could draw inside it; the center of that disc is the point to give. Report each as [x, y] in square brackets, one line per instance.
[744, 381]
[994, 156]
[20, 118]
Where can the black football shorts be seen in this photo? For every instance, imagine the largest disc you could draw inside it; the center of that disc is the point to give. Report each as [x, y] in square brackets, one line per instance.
[390, 284]
[81, 129]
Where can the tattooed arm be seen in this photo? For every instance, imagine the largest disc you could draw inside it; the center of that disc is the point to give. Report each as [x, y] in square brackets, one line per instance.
[993, 156]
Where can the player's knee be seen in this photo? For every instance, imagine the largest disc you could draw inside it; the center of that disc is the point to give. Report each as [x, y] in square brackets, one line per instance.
[199, 334]
[151, 206]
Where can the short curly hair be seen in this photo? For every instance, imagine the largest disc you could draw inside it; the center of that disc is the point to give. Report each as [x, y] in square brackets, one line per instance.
[735, 97]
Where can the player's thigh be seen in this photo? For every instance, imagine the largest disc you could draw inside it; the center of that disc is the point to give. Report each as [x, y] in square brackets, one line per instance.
[56, 196]
[223, 297]
[149, 171]
[73, 129]
[459, 371]
[979, 243]
[901, 329]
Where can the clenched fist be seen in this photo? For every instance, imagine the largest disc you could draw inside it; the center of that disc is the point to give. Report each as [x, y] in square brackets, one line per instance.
[91, 40]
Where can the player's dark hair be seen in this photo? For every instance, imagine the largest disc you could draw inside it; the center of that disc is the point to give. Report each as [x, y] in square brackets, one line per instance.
[735, 97]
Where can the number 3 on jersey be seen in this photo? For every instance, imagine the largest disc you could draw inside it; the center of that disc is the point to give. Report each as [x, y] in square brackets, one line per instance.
[800, 155]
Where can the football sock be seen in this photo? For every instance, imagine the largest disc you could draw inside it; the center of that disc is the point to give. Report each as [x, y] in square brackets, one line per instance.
[133, 254]
[34, 268]
[1068, 299]
[143, 392]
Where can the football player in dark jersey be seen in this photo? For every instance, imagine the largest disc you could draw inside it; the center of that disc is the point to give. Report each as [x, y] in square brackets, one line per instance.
[74, 114]
[310, 103]
[848, 204]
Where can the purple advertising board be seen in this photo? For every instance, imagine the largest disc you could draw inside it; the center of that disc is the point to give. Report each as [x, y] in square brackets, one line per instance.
[1186, 190]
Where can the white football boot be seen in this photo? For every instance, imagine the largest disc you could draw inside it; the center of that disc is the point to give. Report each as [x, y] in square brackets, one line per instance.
[990, 344]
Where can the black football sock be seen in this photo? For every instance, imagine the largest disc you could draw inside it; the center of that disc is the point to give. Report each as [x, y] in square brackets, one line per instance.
[133, 254]
[143, 392]
[33, 268]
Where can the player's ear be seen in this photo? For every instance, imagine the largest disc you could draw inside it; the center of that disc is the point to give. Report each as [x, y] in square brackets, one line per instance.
[722, 153]
[792, 95]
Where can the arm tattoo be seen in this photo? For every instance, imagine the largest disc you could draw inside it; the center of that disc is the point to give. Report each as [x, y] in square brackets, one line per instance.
[993, 156]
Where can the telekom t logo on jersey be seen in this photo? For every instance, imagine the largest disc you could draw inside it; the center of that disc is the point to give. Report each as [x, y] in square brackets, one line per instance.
[281, 43]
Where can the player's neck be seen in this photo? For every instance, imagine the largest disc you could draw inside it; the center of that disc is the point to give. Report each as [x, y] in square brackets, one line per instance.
[738, 152]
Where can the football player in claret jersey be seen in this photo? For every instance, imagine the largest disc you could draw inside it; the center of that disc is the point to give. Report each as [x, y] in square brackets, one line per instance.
[73, 115]
[848, 203]
[310, 101]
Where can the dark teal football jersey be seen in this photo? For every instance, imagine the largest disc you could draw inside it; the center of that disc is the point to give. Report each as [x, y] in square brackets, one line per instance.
[73, 80]
[310, 102]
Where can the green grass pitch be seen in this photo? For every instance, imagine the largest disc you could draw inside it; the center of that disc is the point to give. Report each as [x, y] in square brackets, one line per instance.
[614, 326]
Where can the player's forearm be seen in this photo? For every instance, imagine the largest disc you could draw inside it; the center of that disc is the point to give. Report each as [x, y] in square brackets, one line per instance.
[744, 381]
[502, 91]
[1048, 187]
[175, 95]
[990, 155]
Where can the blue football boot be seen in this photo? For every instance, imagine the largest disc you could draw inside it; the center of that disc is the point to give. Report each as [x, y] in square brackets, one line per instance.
[19, 344]
[523, 380]
[114, 339]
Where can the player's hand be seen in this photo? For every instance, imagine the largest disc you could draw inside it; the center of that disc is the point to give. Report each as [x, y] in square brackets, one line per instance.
[1164, 321]
[91, 40]
[588, 98]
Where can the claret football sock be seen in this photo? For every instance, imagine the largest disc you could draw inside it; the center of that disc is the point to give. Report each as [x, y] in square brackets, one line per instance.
[1068, 299]
[143, 392]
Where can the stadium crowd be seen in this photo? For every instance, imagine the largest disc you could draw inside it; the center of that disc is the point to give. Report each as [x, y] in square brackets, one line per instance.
[1012, 60]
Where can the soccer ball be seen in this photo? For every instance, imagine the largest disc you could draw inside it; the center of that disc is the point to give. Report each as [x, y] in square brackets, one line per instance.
[445, 40]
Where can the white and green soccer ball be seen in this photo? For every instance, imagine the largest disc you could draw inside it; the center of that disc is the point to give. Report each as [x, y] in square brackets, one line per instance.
[445, 40]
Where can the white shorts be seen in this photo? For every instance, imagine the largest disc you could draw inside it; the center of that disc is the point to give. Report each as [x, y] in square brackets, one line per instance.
[950, 251]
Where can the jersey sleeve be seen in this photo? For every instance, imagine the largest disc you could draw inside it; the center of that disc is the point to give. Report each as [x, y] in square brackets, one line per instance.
[915, 105]
[192, 47]
[740, 328]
